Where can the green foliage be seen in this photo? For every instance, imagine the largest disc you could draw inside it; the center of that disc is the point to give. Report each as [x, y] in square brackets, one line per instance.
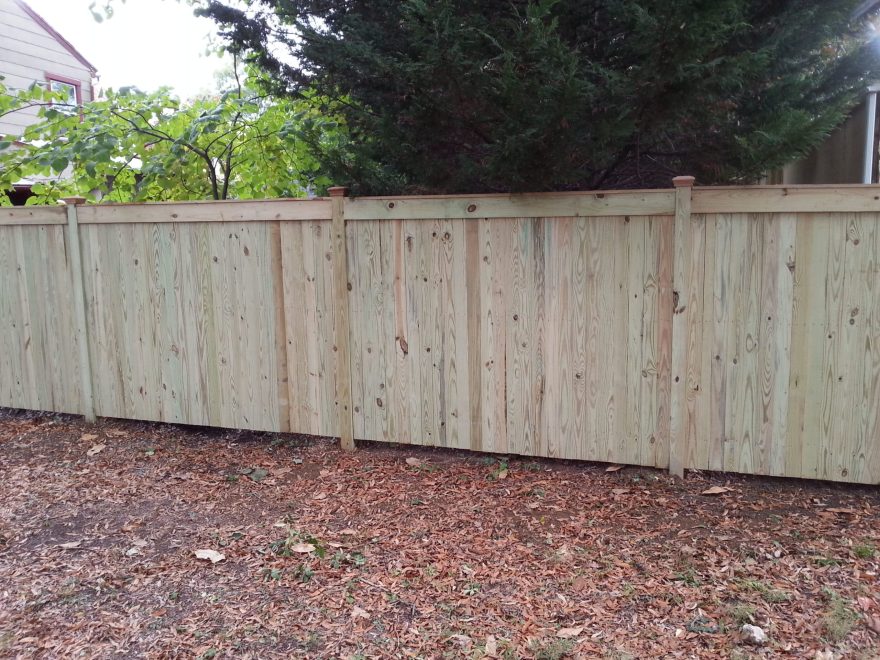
[496, 95]
[135, 146]
[864, 550]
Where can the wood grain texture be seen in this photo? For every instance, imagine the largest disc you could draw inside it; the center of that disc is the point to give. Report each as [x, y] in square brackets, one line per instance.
[211, 212]
[749, 336]
[183, 323]
[513, 335]
[39, 350]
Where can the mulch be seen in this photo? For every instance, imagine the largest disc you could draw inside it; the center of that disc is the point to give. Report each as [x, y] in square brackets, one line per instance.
[406, 552]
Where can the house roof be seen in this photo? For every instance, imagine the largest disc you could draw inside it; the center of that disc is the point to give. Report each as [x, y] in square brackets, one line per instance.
[57, 36]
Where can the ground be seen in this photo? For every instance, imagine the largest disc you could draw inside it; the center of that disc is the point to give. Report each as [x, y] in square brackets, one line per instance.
[406, 552]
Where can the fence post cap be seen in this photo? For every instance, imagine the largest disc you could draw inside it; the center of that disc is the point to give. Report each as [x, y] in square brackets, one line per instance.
[337, 191]
[74, 200]
[683, 181]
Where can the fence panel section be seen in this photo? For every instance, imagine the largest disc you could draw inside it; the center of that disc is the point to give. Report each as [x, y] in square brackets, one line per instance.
[536, 336]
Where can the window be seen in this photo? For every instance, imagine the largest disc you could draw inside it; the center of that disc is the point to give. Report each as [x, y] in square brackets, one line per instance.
[70, 88]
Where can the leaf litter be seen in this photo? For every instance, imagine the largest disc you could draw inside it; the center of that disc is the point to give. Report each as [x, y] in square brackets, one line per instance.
[358, 555]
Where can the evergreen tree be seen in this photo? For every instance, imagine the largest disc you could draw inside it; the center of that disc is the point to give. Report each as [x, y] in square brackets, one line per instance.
[507, 95]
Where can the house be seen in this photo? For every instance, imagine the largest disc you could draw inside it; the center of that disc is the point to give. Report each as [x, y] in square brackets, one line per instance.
[850, 154]
[31, 51]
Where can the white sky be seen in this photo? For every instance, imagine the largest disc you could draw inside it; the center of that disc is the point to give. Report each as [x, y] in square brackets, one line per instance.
[147, 43]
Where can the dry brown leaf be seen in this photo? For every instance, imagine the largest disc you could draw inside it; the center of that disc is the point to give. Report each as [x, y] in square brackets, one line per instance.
[302, 548]
[210, 555]
[569, 633]
[717, 490]
[96, 449]
[613, 468]
[413, 461]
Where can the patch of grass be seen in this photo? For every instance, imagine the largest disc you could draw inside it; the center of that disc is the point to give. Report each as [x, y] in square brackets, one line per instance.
[500, 471]
[688, 576]
[768, 593]
[840, 618]
[741, 613]
[472, 588]
[552, 650]
[864, 550]
[827, 561]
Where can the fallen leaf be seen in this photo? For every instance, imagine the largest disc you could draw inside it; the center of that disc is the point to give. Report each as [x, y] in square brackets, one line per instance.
[88, 437]
[210, 555]
[717, 490]
[70, 546]
[613, 468]
[96, 449]
[867, 604]
[359, 613]
[569, 633]
[302, 548]
[413, 461]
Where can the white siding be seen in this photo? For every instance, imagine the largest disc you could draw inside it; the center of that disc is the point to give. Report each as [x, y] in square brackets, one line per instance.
[28, 54]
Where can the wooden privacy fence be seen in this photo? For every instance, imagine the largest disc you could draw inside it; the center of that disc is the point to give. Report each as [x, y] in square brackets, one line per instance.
[696, 328]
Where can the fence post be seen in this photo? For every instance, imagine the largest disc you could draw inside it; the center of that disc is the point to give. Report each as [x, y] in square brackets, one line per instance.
[79, 305]
[342, 320]
[678, 409]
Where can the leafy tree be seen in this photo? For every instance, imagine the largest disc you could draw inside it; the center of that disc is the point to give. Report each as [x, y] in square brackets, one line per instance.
[135, 146]
[497, 95]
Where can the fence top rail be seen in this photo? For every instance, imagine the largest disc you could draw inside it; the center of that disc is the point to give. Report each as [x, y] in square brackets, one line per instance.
[518, 205]
[33, 215]
[264, 210]
[844, 198]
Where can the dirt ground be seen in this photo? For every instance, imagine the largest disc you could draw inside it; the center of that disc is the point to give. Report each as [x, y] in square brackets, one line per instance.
[405, 552]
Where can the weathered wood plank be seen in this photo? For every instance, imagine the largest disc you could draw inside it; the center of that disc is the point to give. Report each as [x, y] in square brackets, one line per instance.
[544, 205]
[787, 199]
[32, 215]
[226, 211]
